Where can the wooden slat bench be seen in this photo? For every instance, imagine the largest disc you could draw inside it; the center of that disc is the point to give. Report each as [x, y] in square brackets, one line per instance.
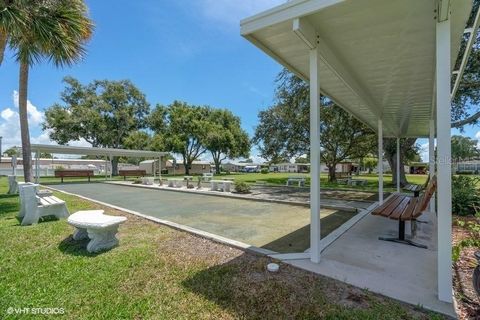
[73, 174]
[416, 188]
[404, 208]
[132, 173]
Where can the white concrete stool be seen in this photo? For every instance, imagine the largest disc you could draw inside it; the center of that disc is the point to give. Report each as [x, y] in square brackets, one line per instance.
[99, 227]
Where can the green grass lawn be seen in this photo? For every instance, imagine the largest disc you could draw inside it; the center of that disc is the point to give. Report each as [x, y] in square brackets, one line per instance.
[281, 179]
[160, 273]
[372, 180]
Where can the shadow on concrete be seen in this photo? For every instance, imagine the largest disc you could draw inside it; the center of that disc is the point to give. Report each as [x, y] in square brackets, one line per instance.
[299, 240]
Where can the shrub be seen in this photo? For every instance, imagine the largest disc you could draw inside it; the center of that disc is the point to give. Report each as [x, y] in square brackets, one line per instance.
[264, 171]
[465, 196]
[242, 187]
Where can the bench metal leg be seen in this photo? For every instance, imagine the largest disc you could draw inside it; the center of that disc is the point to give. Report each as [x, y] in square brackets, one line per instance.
[401, 237]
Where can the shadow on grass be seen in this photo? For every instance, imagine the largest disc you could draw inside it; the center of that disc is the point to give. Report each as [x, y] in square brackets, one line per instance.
[244, 287]
[8, 196]
[44, 219]
[239, 287]
[6, 209]
[76, 247]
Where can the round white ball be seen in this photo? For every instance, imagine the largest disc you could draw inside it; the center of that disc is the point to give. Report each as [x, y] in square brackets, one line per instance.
[273, 267]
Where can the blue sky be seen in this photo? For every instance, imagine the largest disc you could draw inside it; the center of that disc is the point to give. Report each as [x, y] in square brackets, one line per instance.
[187, 50]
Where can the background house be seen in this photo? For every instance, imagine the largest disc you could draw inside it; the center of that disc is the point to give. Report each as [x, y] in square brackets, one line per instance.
[290, 167]
[47, 165]
[197, 167]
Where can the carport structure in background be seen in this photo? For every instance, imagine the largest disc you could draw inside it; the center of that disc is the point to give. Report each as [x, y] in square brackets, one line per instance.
[390, 64]
[108, 153]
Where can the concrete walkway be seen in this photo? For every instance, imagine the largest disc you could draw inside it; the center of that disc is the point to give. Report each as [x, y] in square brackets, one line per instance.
[402, 272]
[277, 227]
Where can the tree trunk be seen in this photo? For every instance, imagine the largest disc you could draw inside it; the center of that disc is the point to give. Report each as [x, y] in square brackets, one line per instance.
[114, 166]
[392, 161]
[186, 164]
[3, 45]
[23, 112]
[331, 174]
[217, 162]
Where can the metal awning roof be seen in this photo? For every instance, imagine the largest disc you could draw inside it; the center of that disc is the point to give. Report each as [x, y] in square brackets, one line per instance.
[96, 151]
[377, 56]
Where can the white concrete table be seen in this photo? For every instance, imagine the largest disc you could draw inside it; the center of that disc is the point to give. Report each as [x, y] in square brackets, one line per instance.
[148, 181]
[207, 177]
[99, 227]
[225, 185]
[175, 183]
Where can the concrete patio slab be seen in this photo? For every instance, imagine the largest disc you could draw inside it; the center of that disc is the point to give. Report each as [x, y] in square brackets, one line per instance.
[396, 270]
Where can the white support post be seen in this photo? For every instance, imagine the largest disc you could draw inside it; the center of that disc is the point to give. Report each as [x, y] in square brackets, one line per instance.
[111, 166]
[398, 164]
[380, 161]
[160, 170]
[37, 167]
[431, 159]
[314, 156]
[106, 167]
[444, 190]
[154, 168]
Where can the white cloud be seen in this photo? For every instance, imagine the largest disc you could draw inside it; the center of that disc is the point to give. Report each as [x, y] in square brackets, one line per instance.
[10, 124]
[477, 137]
[230, 12]
[34, 115]
[7, 114]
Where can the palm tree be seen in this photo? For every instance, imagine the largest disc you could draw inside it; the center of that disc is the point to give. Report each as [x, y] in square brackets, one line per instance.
[11, 18]
[56, 30]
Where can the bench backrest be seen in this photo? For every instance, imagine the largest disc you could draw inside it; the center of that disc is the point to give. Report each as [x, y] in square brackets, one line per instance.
[427, 195]
[74, 173]
[132, 172]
